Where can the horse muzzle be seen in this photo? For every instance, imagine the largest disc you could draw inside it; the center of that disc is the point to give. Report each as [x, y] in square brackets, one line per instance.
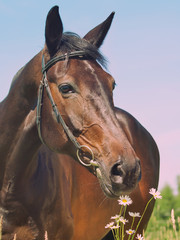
[123, 178]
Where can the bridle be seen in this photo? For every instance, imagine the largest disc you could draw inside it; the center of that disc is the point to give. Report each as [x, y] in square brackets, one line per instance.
[44, 84]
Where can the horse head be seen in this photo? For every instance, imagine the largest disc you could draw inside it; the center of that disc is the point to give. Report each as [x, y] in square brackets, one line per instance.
[80, 96]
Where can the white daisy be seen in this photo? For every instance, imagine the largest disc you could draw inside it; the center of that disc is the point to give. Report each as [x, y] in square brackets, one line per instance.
[109, 225]
[155, 193]
[123, 220]
[116, 218]
[139, 237]
[130, 231]
[124, 200]
[115, 227]
[134, 214]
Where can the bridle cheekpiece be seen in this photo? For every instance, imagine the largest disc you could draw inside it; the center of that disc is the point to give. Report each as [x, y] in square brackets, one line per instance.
[44, 84]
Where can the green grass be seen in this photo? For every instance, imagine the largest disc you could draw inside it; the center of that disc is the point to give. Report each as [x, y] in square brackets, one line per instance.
[164, 223]
[159, 229]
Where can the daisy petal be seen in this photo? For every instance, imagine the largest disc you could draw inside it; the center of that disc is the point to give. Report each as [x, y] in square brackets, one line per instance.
[109, 225]
[130, 231]
[155, 193]
[134, 214]
[139, 237]
[124, 200]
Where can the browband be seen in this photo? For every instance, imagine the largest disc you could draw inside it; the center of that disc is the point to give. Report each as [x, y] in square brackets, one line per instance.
[51, 62]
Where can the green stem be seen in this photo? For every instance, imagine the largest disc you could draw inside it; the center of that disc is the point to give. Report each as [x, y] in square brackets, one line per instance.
[117, 232]
[114, 235]
[141, 217]
[120, 210]
[132, 223]
[122, 233]
[129, 237]
[124, 211]
[131, 228]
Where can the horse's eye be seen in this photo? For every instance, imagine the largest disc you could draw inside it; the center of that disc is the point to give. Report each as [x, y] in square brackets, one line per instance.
[114, 85]
[66, 88]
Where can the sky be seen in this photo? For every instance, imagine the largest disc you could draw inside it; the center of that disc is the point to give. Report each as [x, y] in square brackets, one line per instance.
[143, 52]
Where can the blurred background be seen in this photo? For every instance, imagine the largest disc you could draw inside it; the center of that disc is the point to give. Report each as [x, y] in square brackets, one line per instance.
[143, 50]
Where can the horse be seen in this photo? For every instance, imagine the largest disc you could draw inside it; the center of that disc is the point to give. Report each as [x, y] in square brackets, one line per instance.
[67, 153]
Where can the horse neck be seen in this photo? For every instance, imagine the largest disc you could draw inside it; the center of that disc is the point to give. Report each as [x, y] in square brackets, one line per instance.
[22, 161]
[21, 99]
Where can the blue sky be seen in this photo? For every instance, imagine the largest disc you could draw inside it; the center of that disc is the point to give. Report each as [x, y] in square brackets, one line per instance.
[143, 49]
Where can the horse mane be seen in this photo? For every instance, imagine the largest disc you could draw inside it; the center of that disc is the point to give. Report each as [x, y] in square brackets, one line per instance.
[73, 42]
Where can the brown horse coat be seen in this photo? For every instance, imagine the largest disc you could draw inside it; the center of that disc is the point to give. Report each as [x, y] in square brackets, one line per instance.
[43, 190]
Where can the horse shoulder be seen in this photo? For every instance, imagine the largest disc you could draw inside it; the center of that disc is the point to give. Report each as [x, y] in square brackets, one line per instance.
[141, 140]
[147, 151]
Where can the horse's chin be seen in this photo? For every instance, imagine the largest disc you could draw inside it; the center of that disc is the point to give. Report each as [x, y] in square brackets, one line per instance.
[115, 194]
[111, 193]
[108, 192]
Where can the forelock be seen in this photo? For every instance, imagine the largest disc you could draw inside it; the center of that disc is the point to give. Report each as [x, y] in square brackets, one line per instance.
[71, 42]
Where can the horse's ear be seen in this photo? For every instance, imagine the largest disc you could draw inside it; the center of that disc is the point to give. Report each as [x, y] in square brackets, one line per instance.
[53, 30]
[97, 35]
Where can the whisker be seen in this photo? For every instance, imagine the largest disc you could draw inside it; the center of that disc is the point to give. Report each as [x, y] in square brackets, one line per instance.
[103, 200]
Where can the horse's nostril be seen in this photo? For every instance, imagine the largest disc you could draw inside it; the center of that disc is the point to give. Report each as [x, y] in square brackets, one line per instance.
[138, 170]
[117, 174]
[139, 177]
[117, 170]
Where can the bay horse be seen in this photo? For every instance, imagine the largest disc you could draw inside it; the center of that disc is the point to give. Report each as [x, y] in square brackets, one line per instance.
[66, 152]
